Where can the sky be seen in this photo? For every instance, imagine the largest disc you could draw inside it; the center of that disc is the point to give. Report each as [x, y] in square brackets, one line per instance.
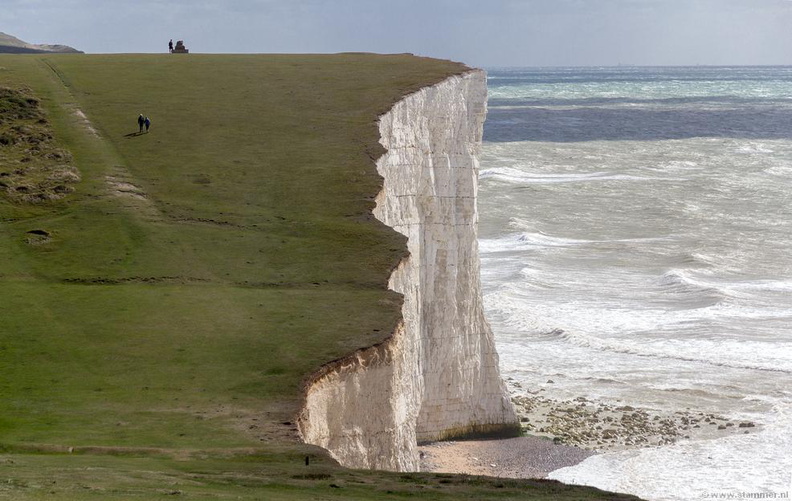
[484, 33]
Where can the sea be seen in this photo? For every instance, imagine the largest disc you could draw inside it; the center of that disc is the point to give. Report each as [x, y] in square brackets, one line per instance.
[636, 249]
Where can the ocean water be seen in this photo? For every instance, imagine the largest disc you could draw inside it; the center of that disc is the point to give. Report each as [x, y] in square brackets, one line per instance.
[636, 248]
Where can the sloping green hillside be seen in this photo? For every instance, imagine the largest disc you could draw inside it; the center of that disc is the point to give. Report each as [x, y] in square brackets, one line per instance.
[12, 45]
[157, 322]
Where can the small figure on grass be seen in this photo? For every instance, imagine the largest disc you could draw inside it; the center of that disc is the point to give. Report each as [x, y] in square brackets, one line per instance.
[170, 45]
[148, 123]
[141, 123]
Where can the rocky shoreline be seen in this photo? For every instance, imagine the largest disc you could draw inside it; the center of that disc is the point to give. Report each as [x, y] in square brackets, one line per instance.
[561, 433]
[601, 426]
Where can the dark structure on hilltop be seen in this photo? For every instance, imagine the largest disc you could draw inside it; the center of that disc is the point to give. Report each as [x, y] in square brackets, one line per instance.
[180, 48]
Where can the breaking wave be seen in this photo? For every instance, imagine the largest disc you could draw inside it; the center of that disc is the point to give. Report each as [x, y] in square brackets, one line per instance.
[517, 176]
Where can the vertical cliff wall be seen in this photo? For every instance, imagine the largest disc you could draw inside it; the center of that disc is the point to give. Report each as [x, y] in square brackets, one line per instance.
[437, 376]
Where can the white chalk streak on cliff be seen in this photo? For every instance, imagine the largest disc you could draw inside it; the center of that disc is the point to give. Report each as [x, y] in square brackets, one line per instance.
[437, 376]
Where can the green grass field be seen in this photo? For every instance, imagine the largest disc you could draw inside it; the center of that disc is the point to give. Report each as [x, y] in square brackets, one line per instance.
[157, 324]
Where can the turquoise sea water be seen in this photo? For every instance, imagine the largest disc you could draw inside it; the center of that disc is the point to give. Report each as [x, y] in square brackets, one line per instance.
[636, 244]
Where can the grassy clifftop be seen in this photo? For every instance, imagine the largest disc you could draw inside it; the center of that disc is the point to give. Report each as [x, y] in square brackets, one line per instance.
[157, 321]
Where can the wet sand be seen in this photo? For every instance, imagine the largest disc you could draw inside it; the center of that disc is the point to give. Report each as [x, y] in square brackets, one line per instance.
[523, 457]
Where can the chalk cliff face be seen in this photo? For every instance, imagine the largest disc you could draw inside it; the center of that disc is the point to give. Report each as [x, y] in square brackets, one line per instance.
[437, 376]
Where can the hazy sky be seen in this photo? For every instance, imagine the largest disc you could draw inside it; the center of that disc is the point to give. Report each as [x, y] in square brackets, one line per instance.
[479, 32]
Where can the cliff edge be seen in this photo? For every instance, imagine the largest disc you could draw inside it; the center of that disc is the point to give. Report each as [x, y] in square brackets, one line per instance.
[437, 376]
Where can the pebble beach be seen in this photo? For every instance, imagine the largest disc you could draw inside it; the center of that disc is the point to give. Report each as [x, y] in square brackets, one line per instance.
[561, 433]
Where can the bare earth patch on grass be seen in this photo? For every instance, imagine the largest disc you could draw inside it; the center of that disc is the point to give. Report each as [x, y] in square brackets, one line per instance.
[33, 168]
[85, 122]
[122, 185]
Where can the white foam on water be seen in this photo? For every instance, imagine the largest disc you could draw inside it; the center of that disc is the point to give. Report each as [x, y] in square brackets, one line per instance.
[766, 356]
[755, 464]
[517, 176]
[525, 240]
[536, 240]
[654, 273]
[652, 333]
[754, 148]
[734, 287]
[780, 171]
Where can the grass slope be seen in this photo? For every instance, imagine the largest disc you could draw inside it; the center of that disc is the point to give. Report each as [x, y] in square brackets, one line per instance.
[156, 341]
[12, 45]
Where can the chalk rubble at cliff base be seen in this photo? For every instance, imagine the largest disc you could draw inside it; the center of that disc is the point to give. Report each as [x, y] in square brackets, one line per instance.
[562, 433]
[602, 427]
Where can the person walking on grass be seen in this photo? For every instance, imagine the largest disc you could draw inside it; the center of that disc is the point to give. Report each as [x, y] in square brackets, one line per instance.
[148, 123]
[141, 122]
[170, 45]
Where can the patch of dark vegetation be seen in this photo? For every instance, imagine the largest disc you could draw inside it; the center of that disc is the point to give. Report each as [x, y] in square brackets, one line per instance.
[203, 220]
[37, 237]
[312, 476]
[414, 479]
[133, 280]
[33, 169]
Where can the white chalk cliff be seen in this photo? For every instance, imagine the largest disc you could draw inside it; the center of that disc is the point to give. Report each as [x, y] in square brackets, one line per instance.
[437, 376]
